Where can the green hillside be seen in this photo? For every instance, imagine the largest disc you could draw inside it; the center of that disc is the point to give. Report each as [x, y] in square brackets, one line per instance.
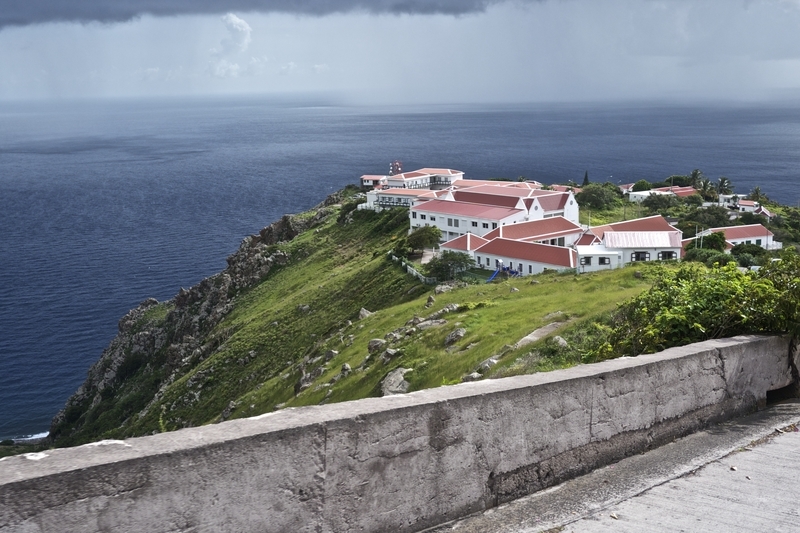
[281, 326]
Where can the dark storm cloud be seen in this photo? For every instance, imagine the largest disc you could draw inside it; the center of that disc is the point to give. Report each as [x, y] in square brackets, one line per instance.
[24, 12]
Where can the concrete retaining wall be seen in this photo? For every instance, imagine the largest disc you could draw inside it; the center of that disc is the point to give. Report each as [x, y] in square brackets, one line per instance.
[401, 463]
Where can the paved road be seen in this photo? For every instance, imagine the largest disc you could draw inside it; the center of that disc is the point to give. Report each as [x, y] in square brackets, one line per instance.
[742, 476]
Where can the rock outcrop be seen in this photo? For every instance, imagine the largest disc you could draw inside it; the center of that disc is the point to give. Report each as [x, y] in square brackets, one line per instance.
[169, 334]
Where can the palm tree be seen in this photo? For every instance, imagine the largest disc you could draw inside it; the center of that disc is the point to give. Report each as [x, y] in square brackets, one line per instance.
[756, 195]
[696, 178]
[724, 186]
[707, 190]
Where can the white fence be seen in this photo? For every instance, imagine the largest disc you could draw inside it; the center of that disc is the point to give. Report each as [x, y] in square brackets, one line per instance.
[413, 271]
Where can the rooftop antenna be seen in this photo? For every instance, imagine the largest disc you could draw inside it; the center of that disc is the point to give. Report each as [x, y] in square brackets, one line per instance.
[395, 167]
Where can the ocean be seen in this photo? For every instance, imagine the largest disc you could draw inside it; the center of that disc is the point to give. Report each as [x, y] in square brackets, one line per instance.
[106, 203]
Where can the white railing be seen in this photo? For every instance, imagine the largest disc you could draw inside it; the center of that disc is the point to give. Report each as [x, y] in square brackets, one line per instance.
[413, 271]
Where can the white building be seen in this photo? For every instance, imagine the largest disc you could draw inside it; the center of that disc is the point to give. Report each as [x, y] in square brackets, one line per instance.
[458, 218]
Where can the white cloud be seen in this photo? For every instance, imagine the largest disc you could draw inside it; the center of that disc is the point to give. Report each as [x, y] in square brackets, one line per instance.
[238, 36]
[224, 69]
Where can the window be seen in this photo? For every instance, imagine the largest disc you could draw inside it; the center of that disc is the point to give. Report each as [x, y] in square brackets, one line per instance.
[561, 241]
[640, 256]
[474, 224]
[479, 260]
[433, 218]
[604, 261]
[664, 256]
[422, 217]
[455, 222]
[487, 261]
[758, 242]
[485, 225]
[587, 261]
[530, 269]
[494, 225]
[520, 268]
[449, 221]
[413, 214]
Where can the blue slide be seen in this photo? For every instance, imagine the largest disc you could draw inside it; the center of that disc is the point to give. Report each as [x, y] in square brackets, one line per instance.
[493, 275]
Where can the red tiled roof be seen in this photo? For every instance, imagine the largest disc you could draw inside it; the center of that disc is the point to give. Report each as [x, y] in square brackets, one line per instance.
[565, 188]
[653, 223]
[408, 175]
[466, 242]
[678, 191]
[497, 190]
[468, 184]
[439, 171]
[587, 239]
[447, 207]
[535, 230]
[747, 203]
[553, 202]
[750, 231]
[529, 251]
[468, 195]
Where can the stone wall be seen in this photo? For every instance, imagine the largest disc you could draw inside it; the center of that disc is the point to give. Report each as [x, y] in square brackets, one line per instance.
[399, 463]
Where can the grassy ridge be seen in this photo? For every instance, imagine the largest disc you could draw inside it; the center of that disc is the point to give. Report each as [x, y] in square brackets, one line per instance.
[286, 339]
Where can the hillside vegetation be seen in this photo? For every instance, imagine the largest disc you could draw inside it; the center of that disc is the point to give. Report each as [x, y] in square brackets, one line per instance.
[283, 326]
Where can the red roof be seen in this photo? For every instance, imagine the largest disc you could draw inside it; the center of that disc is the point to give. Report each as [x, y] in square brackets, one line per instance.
[467, 195]
[587, 239]
[466, 242]
[439, 171]
[747, 203]
[554, 202]
[751, 231]
[447, 207]
[536, 230]
[678, 191]
[653, 223]
[408, 175]
[530, 251]
[516, 192]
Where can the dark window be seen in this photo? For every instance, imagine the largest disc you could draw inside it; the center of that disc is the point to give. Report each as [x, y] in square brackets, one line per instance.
[640, 256]
[486, 225]
[422, 217]
[433, 218]
[586, 261]
[413, 214]
[455, 222]
[604, 261]
[474, 224]
[494, 225]
[530, 269]
[758, 242]
[449, 221]
[664, 256]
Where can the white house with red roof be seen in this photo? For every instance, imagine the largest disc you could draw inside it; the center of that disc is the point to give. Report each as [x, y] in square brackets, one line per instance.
[750, 234]
[425, 178]
[369, 181]
[615, 245]
[458, 218]
[538, 203]
[378, 199]
[466, 243]
[557, 231]
[526, 258]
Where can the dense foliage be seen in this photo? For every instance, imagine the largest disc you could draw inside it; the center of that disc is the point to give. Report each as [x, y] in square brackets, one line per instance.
[693, 303]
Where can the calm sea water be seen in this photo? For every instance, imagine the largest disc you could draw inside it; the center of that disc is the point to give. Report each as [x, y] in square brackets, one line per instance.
[104, 204]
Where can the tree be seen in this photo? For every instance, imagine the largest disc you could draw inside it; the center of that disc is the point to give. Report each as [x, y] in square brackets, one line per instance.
[724, 186]
[596, 196]
[696, 177]
[713, 241]
[641, 185]
[448, 264]
[707, 190]
[586, 178]
[424, 237]
[757, 196]
[659, 203]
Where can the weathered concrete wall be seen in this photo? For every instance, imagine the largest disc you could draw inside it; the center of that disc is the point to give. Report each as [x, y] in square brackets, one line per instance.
[400, 463]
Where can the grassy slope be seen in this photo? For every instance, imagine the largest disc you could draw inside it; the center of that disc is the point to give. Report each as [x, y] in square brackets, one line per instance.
[271, 339]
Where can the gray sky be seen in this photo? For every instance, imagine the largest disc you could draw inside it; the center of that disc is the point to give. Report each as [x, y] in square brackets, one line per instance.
[403, 51]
